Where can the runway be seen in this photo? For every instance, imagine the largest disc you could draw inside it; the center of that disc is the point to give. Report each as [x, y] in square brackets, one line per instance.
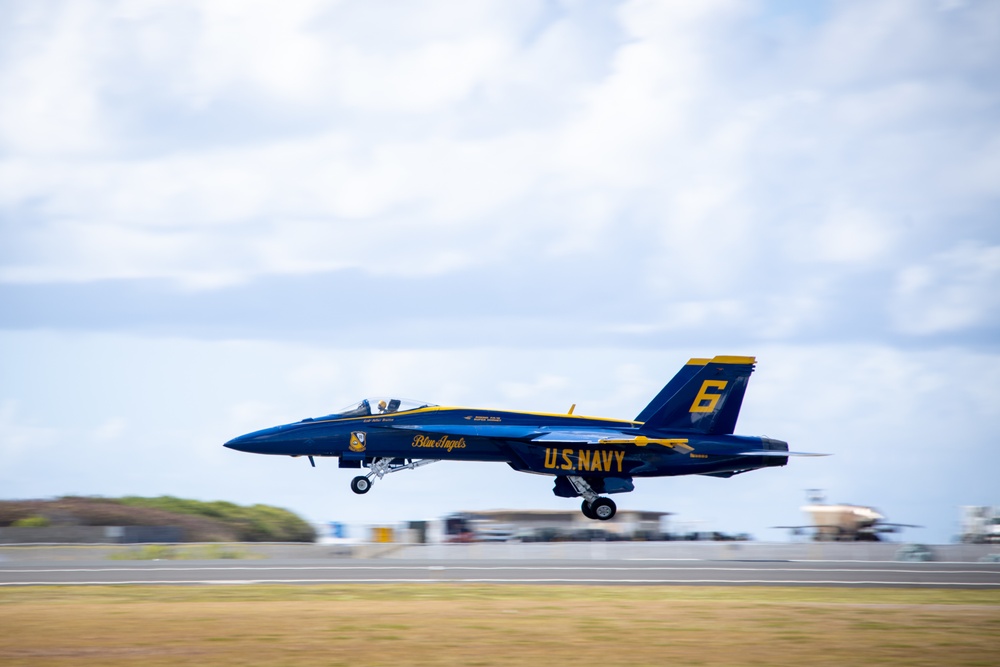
[608, 572]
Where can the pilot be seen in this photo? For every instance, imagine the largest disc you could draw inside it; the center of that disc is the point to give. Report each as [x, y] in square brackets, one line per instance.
[381, 407]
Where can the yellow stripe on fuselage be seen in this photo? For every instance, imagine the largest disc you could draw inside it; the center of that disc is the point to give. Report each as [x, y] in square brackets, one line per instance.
[560, 415]
[439, 408]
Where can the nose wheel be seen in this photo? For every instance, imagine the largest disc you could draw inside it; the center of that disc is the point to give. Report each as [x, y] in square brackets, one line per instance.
[381, 467]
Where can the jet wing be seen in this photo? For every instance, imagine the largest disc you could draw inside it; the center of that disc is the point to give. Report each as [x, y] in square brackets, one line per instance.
[589, 437]
[610, 437]
[773, 452]
[515, 432]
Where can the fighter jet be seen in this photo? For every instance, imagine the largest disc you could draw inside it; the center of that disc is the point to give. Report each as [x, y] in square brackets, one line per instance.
[687, 429]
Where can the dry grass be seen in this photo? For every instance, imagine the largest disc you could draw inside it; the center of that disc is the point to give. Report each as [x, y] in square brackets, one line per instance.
[496, 625]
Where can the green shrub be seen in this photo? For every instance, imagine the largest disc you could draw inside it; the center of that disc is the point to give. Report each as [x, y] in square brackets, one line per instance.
[258, 523]
[31, 522]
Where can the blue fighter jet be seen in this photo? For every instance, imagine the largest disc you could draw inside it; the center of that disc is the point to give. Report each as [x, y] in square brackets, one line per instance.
[687, 429]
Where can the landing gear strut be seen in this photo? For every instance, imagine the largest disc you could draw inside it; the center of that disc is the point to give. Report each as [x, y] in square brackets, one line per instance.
[594, 506]
[381, 467]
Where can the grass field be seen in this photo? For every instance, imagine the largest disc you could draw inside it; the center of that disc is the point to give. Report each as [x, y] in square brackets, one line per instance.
[443, 624]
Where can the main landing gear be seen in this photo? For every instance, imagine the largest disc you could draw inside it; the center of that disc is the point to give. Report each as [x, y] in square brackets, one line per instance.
[594, 506]
[601, 509]
[381, 467]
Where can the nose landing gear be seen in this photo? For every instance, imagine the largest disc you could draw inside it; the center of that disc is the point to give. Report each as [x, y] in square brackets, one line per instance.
[381, 467]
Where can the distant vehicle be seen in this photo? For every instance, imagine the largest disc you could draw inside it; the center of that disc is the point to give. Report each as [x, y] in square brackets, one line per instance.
[593, 535]
[494, 534]
[713, 536]
[459, 528]
[846, 523]
[687, 429]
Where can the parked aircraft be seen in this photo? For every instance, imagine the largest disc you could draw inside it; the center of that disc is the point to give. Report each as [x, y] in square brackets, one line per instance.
[686, 429]
[845, 523]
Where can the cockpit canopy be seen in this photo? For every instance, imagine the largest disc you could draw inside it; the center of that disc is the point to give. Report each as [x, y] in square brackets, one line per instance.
[378, 405]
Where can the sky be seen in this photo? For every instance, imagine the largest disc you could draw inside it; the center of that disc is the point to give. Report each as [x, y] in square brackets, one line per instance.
[218, 217]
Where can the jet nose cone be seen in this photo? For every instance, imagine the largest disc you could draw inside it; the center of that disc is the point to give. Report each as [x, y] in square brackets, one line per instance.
[239, 444]
[249, 442]
[268, 441]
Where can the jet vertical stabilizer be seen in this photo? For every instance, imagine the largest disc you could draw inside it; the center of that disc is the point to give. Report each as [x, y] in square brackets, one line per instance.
[709, 402]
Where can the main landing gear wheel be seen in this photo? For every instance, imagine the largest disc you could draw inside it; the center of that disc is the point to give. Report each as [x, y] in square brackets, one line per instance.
[361, 484]
[601, 509]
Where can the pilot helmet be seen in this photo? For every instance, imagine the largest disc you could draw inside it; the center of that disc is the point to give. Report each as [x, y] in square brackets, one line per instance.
[381, 405]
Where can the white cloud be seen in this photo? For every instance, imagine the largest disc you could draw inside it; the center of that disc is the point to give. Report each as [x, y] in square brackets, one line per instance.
[847, 235]
[955, 289]
[51, 82]
[260, 45]
[401, 145]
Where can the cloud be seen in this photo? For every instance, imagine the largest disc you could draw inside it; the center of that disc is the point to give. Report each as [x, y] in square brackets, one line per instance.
[363, 145]
[49, 68]
[955, 289]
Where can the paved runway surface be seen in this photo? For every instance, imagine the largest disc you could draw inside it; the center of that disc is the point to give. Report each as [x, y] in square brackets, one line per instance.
[610, 572]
